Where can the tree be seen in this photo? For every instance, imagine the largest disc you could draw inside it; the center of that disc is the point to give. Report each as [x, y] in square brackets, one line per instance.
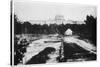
[17, 25]
[91, 27]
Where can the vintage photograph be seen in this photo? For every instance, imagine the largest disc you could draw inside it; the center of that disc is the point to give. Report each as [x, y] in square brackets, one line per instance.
[49, 33]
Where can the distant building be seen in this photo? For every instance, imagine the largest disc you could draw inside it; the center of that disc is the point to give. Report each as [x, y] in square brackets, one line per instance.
[59, 17]
[68, 32]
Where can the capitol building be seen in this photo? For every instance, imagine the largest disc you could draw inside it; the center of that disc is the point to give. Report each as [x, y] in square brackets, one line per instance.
[58, 19]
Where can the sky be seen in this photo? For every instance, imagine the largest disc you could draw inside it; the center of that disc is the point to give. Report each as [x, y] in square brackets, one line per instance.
[31, 10]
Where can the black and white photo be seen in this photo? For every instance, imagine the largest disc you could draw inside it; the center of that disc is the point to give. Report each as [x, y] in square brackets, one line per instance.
[49, 33]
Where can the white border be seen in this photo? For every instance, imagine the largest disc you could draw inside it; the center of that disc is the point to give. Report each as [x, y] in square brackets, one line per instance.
[5, 34]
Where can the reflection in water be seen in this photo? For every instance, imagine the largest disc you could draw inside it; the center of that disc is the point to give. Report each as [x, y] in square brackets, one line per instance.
[54, 50]
[41, 57]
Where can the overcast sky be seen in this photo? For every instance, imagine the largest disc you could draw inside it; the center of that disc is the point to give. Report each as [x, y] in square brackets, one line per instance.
[31, 10]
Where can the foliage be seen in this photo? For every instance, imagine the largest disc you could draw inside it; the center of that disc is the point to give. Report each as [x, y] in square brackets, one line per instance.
[87, 30]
